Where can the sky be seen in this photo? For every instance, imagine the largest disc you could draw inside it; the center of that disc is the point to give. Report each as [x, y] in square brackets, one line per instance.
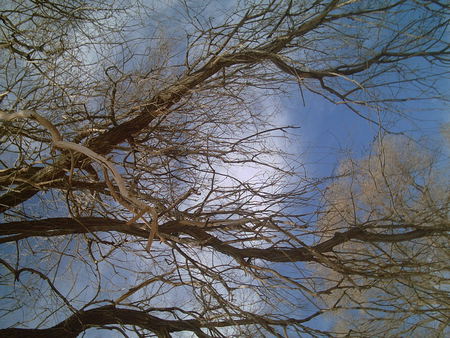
[330, 133]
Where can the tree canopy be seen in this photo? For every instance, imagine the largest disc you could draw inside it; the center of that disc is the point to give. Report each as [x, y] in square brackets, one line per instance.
[147, 185]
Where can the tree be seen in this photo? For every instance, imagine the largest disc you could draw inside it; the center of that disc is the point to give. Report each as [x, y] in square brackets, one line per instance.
[398, 283]
[121, 139]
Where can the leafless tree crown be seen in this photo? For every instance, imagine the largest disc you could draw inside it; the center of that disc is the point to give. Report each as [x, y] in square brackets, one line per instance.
[146, 186]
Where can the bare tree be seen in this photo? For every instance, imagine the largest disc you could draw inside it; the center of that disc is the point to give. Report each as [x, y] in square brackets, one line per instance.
[395, 286]
[121, 139]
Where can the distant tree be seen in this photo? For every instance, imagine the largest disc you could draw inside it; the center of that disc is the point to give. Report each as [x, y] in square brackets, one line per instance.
[123, 130]
[397, 284]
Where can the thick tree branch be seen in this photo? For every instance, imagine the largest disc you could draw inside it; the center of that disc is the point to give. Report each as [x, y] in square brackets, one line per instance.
[109, 314]
[62, 226]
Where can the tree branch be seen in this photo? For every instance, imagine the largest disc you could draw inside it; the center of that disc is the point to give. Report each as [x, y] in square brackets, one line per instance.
[62, 226]
[109, 314]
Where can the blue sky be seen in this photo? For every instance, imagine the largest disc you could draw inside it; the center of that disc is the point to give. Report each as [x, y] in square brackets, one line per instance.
[329, 132]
